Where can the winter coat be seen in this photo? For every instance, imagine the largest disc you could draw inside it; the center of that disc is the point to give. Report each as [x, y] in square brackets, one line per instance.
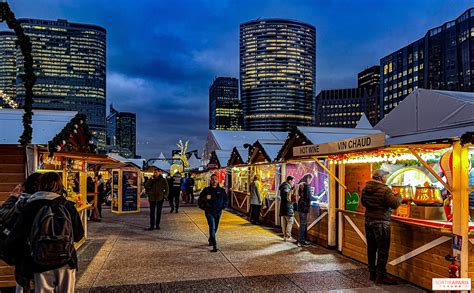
[304, 202]
[255, 197]
[157, 188]
[378, 200]
[218, 200]
[22, 229]
[286, 206]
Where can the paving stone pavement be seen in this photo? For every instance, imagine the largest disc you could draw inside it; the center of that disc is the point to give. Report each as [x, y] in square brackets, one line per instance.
[120, 256]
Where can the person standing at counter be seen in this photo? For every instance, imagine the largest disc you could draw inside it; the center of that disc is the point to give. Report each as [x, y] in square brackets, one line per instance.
[255, 201]
[304, 204]
[157, 189]
[213, 199]
[287, 213]
[378, 200]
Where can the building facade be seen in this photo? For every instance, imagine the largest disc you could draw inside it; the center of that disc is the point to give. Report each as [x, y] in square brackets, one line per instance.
[8, 70]
[70, 66]
[277, 74]
[344, 107]
[443, 59]
[122, 133]
[369, 77]
[225, 108]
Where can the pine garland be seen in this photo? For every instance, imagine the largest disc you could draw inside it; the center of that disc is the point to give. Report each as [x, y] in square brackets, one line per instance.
[75, 137]
[28, 77]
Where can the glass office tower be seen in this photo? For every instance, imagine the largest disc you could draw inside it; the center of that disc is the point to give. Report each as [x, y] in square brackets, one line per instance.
[277, 74]
[225, 109]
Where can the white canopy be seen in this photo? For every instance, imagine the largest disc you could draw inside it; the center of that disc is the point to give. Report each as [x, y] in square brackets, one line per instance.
[429, 115]
[318, 135]
[194, 163]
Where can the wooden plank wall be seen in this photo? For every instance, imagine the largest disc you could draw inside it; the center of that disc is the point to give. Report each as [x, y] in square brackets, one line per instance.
[12, 172]
[240, 197]
[318, 233]
[404, 238]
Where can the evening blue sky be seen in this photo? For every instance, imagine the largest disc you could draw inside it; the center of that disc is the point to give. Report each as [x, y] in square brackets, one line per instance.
[163, 55]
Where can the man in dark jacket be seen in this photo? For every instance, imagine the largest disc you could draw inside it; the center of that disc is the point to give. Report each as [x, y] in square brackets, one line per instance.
[48, 278]
[213, 200]
[190, 188]
[378, 200]
[174, 193]
[304, 203]
[286, 208]
[157, 190]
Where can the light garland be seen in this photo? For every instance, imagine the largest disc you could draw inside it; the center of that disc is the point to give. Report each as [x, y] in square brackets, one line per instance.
[8, 100]
[392, 157]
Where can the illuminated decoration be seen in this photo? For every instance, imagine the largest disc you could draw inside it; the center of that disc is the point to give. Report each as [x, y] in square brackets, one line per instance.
[182, 152]
[28, 77]
[277, 74]
[392, 156]
[75, 137]
[9, 101]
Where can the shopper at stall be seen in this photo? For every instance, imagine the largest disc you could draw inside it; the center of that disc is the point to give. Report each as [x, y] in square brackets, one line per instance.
[184, 191]
[9, 214]
[378, 200]
[255, 201]
[304, 204]
[175, 191]
[286, 208]
[44, 236]
[101, 193]
[213, 200]
[157, 190]
[190, 188]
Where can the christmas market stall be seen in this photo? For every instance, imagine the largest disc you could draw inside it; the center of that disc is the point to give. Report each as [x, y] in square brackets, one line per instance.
[306, 163]
[429, 155]
[240, 192]
[261, 162]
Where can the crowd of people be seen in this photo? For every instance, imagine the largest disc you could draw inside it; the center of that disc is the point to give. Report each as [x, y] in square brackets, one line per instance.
[39, 226]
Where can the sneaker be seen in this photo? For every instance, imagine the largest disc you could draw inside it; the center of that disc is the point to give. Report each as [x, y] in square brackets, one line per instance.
[214, 249]
[172, 210]
[176, 211]
[157, 228]
[305, 243]
[149, 229]
[291, 239]
[386, 281]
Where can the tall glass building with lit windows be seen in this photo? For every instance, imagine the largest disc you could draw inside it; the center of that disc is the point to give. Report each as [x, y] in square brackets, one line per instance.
[277, 74]
[69, 62]
[7, 70]
[443, 59]
[225, 108]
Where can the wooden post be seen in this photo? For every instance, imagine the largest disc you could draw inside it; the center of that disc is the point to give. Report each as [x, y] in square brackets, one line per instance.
[461, 201]
[332, 207]
[341, 206]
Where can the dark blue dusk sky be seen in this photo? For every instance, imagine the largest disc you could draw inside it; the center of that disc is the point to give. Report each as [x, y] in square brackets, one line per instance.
[163, 55]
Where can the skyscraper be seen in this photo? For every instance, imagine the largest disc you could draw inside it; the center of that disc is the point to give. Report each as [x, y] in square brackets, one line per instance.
[442, 59]
[369, 77]
[121, 132]
[277, 74]
[69, 62]
[225, 108]
[7, 70]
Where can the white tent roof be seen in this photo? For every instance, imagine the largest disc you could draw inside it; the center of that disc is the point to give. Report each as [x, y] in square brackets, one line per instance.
[318, 135]
[46, 124]
[428, 115]
[223, 156]
[136, 162]
[272, 147]
[227, 140]
[363, 122]
[194, 163]
[161, 164]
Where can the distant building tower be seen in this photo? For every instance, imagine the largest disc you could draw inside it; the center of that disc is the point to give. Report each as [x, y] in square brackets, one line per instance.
[442, 59]
[277, 74]
[69, 63]
[225, 108]
[7, 69]
[121, 133]
[369, 77]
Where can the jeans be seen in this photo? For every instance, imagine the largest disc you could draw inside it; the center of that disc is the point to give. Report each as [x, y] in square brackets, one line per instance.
[287, 225]
[302, 231]
[190, 192]
[155, 209]
[59, 280]
[377, 233]
[174, 199]
[254, 213]
[213, 222]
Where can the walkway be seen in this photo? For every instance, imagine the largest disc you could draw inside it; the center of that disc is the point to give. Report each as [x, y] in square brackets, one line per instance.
[120, 256]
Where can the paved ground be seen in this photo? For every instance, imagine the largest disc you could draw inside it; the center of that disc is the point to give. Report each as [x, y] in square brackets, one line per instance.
[121, 257]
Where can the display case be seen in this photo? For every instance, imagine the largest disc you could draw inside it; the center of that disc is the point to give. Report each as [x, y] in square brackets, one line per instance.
[240, 189]
[269, 176]
[125, 190]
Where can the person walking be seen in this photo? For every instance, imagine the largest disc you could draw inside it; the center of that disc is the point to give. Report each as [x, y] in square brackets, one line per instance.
[213, 199]
[45, 233]
[190, 188]
[157, 190]
[378, 200]
[175, 191]
[304, 204]
[184, 193]
[286, 208]
[101, 193]
[255, 201]
[9, 214]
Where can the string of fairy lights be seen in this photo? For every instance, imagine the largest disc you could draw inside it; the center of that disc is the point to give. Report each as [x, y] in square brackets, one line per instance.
[8, 100]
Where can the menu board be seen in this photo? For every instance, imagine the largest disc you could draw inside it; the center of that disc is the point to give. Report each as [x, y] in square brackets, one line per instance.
[129, 191]
[115, 190]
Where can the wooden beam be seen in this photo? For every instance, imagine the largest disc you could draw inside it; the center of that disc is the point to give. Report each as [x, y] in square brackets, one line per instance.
[433, 172]
[330, 173]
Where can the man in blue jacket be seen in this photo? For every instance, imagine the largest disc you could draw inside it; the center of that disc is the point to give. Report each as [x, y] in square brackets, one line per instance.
[213, 200]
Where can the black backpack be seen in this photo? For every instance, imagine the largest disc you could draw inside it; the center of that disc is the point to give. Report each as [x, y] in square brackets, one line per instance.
[51, 239]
